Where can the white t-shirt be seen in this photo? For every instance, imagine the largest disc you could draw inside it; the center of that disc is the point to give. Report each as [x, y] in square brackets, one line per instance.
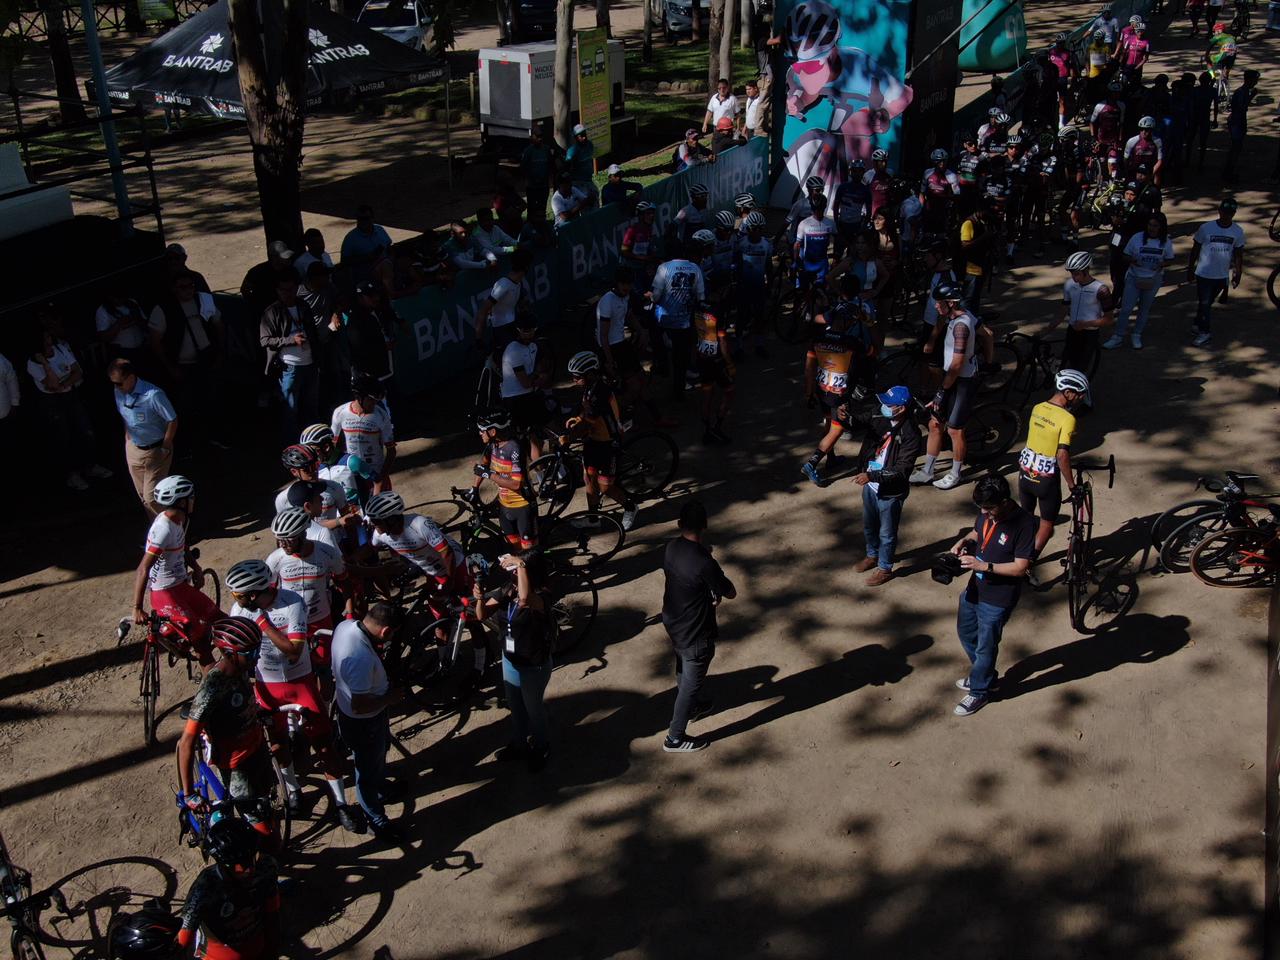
[612, 308]
[340, 474]
[1082, 301]
[305, 259]
[1149, 255]
[319, 533]
[127, 338]
[332, 498]
[294, 355]
[522, 355]
[754, 112]
[505, 294]
[288, 615]
[728, 107]
[167, 541]
[60, 363]
[357, 668]
[309, 577]
[365, 434]
[194, 339]
[1217, 246]
[561, 204]
[422, 543]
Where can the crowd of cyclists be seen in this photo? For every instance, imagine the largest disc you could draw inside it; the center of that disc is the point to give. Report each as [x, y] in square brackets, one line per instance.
[910, 254]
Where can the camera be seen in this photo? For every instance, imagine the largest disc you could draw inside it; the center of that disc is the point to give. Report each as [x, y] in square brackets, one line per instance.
[946, 566]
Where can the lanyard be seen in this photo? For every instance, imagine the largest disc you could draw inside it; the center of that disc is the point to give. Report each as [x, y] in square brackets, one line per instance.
[990, 529]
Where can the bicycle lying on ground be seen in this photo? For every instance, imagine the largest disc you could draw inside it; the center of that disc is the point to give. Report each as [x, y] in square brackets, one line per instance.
[1180, 529]
[22, 907]
[1241, 557]
[1081, 574]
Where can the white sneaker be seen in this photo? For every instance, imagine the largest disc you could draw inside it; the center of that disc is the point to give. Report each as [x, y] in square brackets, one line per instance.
[99, 472]
[921, 476]
[1135, 341]
[76, 482]
[1115, 341]
[947, 481]
[629, 518]
[1201, 340]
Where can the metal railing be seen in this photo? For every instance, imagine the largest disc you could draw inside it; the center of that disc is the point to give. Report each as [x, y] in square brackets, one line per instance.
[109, 15]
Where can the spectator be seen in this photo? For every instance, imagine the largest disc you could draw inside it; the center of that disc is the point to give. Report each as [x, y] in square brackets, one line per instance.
[10, 399]
[498, 311]
[1216, 254]
[57, 376]
[725, 136]
[364, 244]
[150, 426]
[889, 453]
[695, 585]
[259, 285]
[364, 697]
[463, 249]
[508, 208]
[318, 292]
[313, 241]
[618, 190]
[1238, 121]
[288, 332]
[567, 202]
[174, 263]
[753, 112]
[122, 326]
[722, 104]
[580, 161]
[1147, 253]
[371, 330]
[537, 165]
[185, 330]
[490, 238]
[1202, 97]
[690, 153]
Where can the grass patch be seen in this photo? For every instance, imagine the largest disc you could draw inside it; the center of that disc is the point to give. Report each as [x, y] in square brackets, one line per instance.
[685, 61]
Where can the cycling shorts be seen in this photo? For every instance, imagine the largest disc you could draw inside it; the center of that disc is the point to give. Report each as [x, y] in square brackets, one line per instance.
[519, 525]
[304, 692]
[626, 358]
[957, 403]
[253, 779]
[808, 274]
[600, 458]
[1040, 495]
[837, 408]
[712, 371]
[189, 607]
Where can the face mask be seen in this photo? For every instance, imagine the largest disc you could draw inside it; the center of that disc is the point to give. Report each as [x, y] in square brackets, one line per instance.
[886, 410]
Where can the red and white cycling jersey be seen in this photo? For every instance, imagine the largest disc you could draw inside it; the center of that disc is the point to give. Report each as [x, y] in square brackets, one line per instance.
[167, 541]
[365, 434]
[309, 576]
[288, 615]
[422, 543]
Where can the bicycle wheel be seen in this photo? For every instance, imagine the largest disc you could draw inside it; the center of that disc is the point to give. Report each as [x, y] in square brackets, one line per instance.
[1175, 552]
[1241, 557]
[1002, 370]
[647, 462]
[279, 800]
[448, 514]
[1077, 577]
[24, 945]
[1273, 231]
[990, 431]
[149, 692]
[582, 541]
[423, 657]
[900, 367]
[83, 902]
[1273, 287]
[553, 479]
[1176, 516]
[211, 584]
[574, 609]
[484, 539]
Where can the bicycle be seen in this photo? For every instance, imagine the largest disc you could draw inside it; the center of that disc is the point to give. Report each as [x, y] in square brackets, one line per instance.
[647, 462]
[162, 634]
[909, 365]
[217, 802]
[1080, 573]
[1273, 231]
[22, 907]
[1241, 557]
[1230, 510]
[1037, 363]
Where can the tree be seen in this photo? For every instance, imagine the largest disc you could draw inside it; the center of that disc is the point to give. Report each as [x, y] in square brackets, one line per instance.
[696, 18]
[602, 17]
[70, 107]
[646, 49]
[745, 11]
[560, 105]
[726, 40]
[714, 35]
[271, 53]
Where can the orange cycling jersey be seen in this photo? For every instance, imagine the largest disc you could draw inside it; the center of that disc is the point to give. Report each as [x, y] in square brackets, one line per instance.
[601, 413]
[506, 459]
[835, 352]
[711, 340]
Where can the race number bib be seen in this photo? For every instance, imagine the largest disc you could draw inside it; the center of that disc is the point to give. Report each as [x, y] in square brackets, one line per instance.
[1031, 462]
[709, 348]
[834, 382]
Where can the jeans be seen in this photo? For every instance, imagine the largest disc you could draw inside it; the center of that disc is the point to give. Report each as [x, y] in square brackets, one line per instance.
[880, 518]
[1206, 292]
[1142, 299]
[979, 626]
[525, 687]
[300, 385]
[692, 665]
[367, 738]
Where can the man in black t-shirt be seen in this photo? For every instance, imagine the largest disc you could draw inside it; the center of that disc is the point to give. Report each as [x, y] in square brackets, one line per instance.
[999, 551]
[695, 584]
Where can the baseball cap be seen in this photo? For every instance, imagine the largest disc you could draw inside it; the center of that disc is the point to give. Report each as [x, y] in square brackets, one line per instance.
[303, 491]
[614, 170]
[895, 397]
[692, 132]
[579, 129]
[367, 288]
[1229, 204]
[280, 249]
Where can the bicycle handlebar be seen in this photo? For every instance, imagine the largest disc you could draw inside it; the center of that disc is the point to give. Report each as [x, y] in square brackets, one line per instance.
[1086, 466]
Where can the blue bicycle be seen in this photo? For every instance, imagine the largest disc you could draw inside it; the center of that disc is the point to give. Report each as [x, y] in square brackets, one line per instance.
[217, 802]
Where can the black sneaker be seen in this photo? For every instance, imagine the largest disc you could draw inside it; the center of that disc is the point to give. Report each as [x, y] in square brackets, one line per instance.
[352, 819]
[512, 751]
[684, 745]
[387, 832]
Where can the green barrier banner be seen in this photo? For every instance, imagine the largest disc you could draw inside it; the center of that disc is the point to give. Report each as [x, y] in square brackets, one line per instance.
[441, 323]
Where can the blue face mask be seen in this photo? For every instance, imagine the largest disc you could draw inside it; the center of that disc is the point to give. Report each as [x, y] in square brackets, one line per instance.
[886, 410]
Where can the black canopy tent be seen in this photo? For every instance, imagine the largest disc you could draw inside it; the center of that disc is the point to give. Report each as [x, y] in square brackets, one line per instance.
[194, 65]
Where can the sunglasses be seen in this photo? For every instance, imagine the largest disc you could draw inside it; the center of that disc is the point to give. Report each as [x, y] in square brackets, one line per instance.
[809, 66]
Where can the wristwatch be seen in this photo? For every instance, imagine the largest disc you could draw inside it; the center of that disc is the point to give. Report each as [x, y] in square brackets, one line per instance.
[991, 567]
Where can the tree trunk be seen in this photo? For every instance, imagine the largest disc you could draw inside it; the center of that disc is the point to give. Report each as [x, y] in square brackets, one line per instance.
[714, 34]
[271, 54]
[745, 9]
[602, 17]
[695, 14]
[506, 21]
[133, 21]
[646, 49]
[71, 107]
[726, 41]
[560, 105]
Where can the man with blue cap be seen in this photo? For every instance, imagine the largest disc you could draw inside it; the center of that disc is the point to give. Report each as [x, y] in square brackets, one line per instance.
[888, 454]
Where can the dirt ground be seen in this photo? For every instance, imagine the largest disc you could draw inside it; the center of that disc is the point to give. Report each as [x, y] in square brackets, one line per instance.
[1108, 806]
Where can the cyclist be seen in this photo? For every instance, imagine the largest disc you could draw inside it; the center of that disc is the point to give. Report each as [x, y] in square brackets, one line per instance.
[743, 204]
[524, 378]
[850, 206]
[235, 901]
[1072, 170]
[715, 368]
[284, 674]
[803, 207]
[621, 355]
[953, 400]
[599, 422]
[169, 572]
[718, 267]
[879, 180]
[503, 464]
[150, 934]
[1016, 174]
[1046, 455]
[692, 217]
[363, 427]
[995, 129]
[1134, 52]
[1087, 307]
[1220, 54]
[678, 288]
[1063, 59]
[978, 233]
[812, 247]
[967, 173]
[640, 244]
[1106, 122]
[938, 189]
[311, 569]
[224, 710]
[841, 356]
[497, 312]
[1145, 148]
[753, 270]
[303, 463]
[1098, 62]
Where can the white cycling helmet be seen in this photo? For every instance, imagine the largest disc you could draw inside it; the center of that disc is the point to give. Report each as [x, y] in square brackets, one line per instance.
[754, 219]
[813, 183]
[724, 219]
[172, 489]
[1147, 123]
[1002, 119]
[585, 361]
[813, 30]
[384, 505]
[291, 524]
[699, 190]
[705, 237]
[1135, 20]
[249, 576]
[644, 206]
[316, 435]
[1082, 260]
[1072, 380]
[745, 201]
[878, 155]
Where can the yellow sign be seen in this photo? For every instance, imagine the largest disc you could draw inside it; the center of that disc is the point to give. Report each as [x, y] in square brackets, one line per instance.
[594, 88]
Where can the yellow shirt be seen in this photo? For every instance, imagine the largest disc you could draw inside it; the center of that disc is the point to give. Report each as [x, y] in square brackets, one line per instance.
[967, 233]
[1051, 427]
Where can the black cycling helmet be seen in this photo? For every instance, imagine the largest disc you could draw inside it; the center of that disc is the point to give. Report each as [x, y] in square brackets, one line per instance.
[948, 293]
[231, 842]
[991, 491]
[367, 385]
[151, 934]
[299, 457]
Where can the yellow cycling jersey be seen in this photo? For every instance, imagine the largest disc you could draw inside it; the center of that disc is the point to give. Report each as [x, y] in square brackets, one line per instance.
[1051, 427]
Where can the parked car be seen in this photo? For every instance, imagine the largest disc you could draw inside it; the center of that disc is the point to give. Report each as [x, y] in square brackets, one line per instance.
[530, 20]
[402, 20]
[677, 17]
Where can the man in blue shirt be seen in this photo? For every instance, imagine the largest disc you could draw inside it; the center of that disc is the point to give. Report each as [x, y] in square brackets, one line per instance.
[618, 190]
[365, 242]
[150, 424]
[580, 159]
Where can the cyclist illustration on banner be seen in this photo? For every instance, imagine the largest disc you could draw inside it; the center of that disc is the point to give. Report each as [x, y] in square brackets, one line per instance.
[839, 99]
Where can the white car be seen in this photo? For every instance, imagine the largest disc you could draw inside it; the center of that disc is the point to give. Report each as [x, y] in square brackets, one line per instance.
[402, 20]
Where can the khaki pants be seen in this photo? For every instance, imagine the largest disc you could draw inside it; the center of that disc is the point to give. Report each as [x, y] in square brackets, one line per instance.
[147, 468]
